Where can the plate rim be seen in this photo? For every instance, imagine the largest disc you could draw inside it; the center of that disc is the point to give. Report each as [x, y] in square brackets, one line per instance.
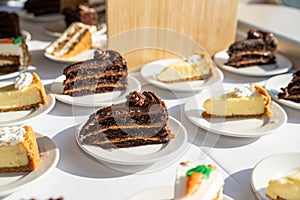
[55, 154]
[238, 71]
[67, 60]
[61, 98]
[50, 105]
[256, 167]
[4, 76]
[113, 160]
[284, 77]
[219, 76]
[232, 134]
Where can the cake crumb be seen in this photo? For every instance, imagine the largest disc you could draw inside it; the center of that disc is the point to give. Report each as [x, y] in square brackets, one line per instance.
[275, 121]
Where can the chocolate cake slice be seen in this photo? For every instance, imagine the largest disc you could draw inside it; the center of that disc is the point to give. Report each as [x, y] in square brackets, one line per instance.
[141, 120]
[42, 7]
[83, 13]
[292, 91]
[258, 48]
[107, 72]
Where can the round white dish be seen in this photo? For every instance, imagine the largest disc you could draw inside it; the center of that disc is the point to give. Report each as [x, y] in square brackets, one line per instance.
[282, 65]
[43, 18]
[101, 99]
[273, 167]
[160, 193]
[23, 116]
[85, 55]
[273, 86]
[9, 75]
[11, 182]
[56, 29]
[151, 70]
[243, 127]
[140, 155]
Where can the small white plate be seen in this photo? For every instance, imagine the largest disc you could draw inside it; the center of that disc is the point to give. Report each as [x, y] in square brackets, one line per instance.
[42, 18]
[143, 154]
[273, 167]
[244, 127]
[56, 29]
[160, 193]
[11, 182]
[85, 55]
[9, 75]
[101, 99]
[273, 86]
[151, 70]
[282, 65]
[23, 116]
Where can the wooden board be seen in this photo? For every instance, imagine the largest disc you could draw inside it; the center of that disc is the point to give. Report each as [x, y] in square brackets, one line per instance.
[147, 30]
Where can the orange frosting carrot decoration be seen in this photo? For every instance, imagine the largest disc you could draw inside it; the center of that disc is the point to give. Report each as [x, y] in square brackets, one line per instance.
[193, 183]
[8, 40]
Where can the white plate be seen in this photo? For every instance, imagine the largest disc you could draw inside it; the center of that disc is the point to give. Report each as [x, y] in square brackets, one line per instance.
[160, 193]
[10, 74]
[101, 99]
[85, 55]
[273, 86]
[282, 65]
[143, 154]
[56, 29]
[248, 127]
[11, 182]
[151, 70]
[42, 18]
[273, 167]
[23, 116]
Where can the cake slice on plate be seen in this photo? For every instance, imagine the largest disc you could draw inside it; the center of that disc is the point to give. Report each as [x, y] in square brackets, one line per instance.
[26, 93]
[195, 67]
[292, 90]
[249, 100]
[285, 188]
[198, 182]
[18, 149]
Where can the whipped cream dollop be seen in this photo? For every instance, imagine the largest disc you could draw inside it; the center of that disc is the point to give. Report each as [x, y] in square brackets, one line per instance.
[245, 90]
[23, 80]
[11, 135]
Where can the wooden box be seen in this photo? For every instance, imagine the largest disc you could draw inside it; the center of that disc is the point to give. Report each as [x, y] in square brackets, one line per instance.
[147, 30]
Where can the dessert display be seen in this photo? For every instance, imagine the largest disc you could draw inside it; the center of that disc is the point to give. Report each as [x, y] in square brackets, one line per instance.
[83, 13]
[285, 188]
[77, 38]
[26, 93]
[18, 149]
[292, 90]
[42, 7]
[258, 48]
[14, 54]
[247, 101]
[195, 67]
[106, 72]
[141, 120]
[198, 182]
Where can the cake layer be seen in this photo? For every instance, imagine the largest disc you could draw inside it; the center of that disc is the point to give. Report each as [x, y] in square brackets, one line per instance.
[139, 121]
[9, 25]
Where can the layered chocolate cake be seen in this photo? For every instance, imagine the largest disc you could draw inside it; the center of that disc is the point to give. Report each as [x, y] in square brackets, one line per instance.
[14, 54]
[83, 13]
[42, 7]
[107, 72]
[141, 120]
[292, 90]
[258, 48]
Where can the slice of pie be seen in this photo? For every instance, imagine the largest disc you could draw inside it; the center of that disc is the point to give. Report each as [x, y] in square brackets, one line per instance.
[195, 67]
[285, 188]
[18, 149]
[247, 101]
[26, 93]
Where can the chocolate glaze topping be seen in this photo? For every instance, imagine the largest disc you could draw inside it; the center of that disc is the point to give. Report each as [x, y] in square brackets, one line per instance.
[9, 25]
[144, 99]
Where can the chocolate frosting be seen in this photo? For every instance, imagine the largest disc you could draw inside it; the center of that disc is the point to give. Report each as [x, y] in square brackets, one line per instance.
[111, 55]
[144, 99]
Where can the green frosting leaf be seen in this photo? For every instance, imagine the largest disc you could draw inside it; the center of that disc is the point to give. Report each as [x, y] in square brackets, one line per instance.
[17, 40]
[203, 169]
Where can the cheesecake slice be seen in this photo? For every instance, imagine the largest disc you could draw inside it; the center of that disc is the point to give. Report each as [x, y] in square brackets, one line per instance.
[18, 149]
[247, 101]
[26, 93]
[198, 182]
[286, 188]
[195, 67]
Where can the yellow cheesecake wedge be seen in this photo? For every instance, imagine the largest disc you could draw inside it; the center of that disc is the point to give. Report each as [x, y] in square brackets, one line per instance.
[249, 100]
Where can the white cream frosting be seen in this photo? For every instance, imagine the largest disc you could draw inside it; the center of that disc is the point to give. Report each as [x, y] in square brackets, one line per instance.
[245, 90]
[11, 50]
[11, 135]
[23, 80]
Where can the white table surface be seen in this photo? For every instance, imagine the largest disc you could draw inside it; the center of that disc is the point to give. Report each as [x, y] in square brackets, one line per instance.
[78, 176]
